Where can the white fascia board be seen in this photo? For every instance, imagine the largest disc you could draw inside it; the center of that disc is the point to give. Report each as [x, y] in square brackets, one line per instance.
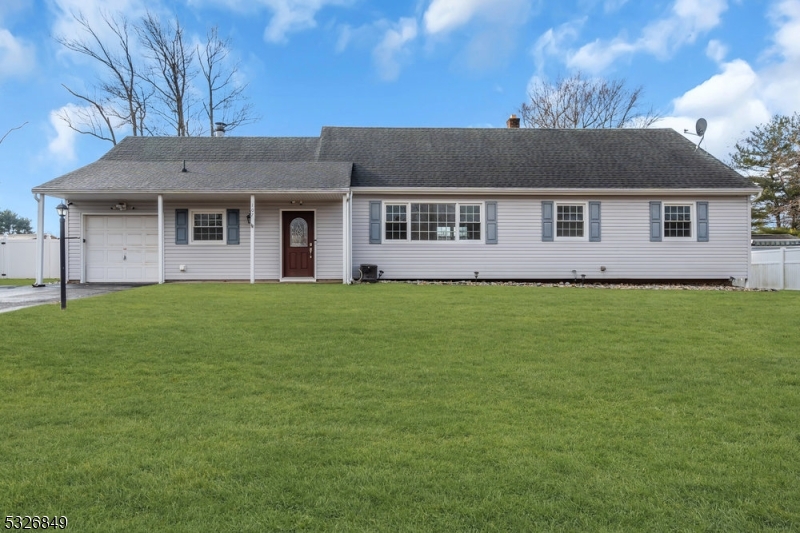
[123, 192]
[490, 191]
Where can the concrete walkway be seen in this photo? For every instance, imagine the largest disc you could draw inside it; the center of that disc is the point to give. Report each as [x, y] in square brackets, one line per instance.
[13, 298]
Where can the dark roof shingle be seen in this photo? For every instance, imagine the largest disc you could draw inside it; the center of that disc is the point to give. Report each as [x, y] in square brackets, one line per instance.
[407, 157]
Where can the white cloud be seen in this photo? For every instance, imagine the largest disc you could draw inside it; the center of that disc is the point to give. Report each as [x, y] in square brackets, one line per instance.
[392, 49]
[444, 16]
[17, 57]
[740, 97]
[716, 51]
[555, 42]
[288, 16]
[687, 21]
[786, 15]
[62, 145]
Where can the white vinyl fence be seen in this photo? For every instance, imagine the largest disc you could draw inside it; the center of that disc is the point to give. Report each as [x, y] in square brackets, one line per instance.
[775, 269]
[18, 257]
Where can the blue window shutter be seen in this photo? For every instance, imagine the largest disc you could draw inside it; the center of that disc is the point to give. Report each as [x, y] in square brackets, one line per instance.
[594, 221]
[547, 221]
[233, 226]
[181, 226]
[491, 222]
[655, 221]
[702, 221]
[375, 222]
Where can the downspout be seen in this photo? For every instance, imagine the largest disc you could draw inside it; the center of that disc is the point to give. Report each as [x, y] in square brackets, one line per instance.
[160, 239]
[39, 242]
[252, 221]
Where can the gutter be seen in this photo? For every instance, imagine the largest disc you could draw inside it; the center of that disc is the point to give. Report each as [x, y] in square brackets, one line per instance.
[474, 191]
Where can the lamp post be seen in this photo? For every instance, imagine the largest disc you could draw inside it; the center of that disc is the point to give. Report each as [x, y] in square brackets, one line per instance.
[62, 209]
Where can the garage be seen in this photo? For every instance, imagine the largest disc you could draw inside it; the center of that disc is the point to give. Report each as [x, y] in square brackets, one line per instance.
[121, 248]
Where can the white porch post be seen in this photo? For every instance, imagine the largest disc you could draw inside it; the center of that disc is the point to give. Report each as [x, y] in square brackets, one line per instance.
[160, 239]
[345, 239]
[40, 241]
[252, 238]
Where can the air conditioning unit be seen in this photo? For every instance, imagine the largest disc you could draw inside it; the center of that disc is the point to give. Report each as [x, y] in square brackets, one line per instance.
[369, 273]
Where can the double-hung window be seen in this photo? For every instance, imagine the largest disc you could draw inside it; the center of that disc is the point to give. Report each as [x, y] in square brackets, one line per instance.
[570, 221]
[430, 221]
[208, 226]
[677, 221]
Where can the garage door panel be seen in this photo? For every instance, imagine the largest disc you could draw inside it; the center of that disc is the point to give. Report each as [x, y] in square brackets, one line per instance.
[117, 248]
[117, 223]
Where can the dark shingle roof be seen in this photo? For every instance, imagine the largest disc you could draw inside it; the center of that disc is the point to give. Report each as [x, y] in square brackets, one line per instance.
[152, 164]
[407, 157]
[525, 158]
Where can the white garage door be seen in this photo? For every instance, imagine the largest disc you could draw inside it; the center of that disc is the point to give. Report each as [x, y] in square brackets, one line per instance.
[121, 248]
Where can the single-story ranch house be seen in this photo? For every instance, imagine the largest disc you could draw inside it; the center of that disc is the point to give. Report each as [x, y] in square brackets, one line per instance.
[420, 203]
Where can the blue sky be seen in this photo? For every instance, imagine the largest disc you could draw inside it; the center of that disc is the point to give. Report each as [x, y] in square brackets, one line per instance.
[429, 63]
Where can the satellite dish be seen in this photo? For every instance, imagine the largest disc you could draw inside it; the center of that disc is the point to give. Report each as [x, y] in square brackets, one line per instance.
[701, 127]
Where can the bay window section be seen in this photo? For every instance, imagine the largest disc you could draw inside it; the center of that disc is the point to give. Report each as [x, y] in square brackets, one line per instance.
[396, 222]
[432, 222]
[469, 223]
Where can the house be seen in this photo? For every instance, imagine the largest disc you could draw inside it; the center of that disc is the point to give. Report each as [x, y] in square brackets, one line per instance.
[421, 203]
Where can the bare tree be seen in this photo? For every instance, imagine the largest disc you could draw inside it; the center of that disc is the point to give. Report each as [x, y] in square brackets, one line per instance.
[225, 99]
[121, 100]
[12, 129]
[171, 72]
[152, 92]
[577, 102]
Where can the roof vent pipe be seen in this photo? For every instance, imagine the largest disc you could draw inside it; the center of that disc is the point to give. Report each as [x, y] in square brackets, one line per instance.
[512, 122]
[219, 130]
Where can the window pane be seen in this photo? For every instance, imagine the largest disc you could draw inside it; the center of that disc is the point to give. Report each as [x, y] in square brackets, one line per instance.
[469, 225]
[207, 227]
[569, 220]
[396, 222]
[298, 233]
[433, 222]
[677, 220]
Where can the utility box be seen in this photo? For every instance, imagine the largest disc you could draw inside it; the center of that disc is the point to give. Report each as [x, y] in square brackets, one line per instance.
[369, 273]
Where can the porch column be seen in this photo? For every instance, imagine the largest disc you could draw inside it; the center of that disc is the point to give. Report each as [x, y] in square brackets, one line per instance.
[39, 241]
[252, 238]
[345, 239]
[160, 239]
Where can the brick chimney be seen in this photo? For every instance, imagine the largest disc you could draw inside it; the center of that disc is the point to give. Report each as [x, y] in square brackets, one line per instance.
[512, 122]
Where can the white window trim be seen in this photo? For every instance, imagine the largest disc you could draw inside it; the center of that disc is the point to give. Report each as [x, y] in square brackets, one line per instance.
[585, 237]
[427, 243]
[223, 212]
[692, 213]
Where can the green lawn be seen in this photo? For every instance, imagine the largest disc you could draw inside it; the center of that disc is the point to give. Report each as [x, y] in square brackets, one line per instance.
[394, 407]
[19, 282]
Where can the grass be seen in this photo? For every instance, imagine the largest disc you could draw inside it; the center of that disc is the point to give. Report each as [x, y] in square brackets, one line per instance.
[20, 282]
[404, 408]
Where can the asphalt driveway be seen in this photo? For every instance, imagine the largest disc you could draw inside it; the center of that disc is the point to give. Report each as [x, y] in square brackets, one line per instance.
[13, 298]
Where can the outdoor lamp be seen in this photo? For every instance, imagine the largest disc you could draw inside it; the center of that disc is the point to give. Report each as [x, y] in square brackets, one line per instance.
[62, 209]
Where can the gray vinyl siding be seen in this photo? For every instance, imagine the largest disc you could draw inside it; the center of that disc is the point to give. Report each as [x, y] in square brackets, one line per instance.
[232, 262]
[224, 261]
[625, 249]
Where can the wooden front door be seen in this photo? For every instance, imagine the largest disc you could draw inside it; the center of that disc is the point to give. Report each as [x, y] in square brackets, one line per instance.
[298, 244]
